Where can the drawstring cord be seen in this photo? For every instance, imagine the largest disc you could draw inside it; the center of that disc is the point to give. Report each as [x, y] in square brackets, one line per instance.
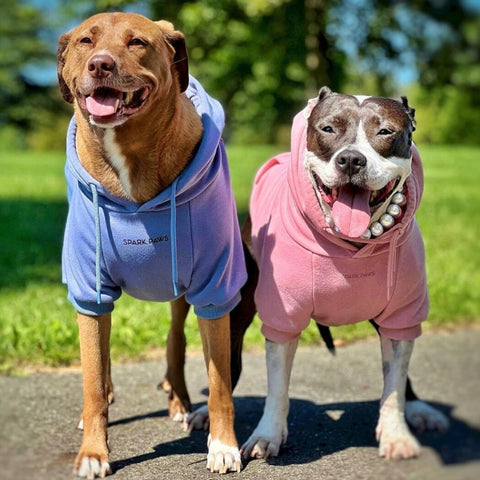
[173, 236]
[98, 243]
[392, 264]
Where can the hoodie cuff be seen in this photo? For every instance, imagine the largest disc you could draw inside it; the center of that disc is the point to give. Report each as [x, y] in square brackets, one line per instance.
[211, 312]
[400, 334]
[91, 309]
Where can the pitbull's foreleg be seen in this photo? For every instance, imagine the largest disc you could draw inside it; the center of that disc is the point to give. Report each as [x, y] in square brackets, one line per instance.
[392, 431]
[272, 430]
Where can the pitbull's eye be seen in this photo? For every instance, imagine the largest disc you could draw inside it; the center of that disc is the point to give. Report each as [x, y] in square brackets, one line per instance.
[328, 129]
[137, 42]
[384, 131]
[86, 40]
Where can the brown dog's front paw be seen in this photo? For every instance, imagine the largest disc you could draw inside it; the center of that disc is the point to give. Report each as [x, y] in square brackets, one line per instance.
[223, 458]
[92, 466]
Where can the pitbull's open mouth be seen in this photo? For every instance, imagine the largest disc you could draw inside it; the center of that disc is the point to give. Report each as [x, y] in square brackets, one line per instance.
[108, 105]
[351, 207]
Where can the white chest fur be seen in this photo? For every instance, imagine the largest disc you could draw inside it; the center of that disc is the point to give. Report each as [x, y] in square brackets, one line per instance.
[118, 160]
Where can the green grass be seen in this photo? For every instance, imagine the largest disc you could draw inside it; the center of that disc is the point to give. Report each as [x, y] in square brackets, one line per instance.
[37, 324]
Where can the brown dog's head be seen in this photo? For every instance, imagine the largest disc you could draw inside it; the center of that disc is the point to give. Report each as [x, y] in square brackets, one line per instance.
[113, 64]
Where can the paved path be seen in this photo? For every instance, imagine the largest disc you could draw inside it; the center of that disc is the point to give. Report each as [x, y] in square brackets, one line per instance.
[334, 403]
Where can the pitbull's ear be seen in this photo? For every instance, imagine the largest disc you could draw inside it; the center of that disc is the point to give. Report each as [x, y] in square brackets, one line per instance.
[410, 112]
[62, 46]
[180, 58]
[324, 92]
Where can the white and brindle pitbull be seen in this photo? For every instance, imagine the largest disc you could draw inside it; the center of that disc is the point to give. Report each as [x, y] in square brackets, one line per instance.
[335, 239]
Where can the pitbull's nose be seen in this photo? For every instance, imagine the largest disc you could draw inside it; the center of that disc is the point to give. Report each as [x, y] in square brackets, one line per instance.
[351, 162]
[101, 65]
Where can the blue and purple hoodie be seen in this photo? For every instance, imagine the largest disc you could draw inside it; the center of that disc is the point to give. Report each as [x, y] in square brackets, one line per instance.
[186, 240]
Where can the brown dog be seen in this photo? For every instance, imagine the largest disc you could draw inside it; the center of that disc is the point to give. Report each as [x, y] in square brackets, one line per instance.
[137, 140]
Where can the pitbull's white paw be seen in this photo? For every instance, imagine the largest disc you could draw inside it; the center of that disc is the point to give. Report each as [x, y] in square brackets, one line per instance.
[197, 420]
[422, 416]
[264, 443]
[396, 441]
[258, 447]
[180, 418]
[91, 467]
[223, 458]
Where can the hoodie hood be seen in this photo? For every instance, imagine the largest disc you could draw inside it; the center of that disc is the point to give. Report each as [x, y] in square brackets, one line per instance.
[308, 207]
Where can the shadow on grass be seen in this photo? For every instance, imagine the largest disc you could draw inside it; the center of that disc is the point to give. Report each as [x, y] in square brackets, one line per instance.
[30, 241]
[31, 237]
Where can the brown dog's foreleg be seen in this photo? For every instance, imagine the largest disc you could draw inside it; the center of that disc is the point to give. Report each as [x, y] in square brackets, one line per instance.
[223, 453]
[109, 383]
[92, 459]
[173, 384]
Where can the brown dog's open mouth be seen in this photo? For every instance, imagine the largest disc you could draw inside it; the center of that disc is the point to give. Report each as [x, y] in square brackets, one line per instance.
[107, 105]
[352, 207]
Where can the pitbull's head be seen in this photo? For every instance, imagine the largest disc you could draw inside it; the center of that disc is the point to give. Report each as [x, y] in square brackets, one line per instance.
[358, 155]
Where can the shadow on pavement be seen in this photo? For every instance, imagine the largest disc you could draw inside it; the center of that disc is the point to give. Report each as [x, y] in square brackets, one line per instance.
[316, 431]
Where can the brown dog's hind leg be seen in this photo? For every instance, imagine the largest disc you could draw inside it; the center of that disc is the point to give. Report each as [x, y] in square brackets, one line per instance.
[92, 459]
[173, 384]
[242, 315]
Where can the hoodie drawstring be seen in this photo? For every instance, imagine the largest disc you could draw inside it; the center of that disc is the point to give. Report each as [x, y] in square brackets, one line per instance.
[392, 265]
[98, 243]
[173, 236]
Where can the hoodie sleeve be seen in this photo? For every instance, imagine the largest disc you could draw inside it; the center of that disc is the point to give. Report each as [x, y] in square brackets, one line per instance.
[218, 262]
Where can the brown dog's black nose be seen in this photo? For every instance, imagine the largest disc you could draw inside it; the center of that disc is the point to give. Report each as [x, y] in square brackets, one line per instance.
[101, 65]
[351, 162]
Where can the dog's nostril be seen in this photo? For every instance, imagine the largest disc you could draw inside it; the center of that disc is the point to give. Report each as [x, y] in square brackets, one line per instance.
[100, 65]
[351, 162]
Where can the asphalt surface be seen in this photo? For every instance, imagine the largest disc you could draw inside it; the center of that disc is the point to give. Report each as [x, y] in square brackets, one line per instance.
[334, 409]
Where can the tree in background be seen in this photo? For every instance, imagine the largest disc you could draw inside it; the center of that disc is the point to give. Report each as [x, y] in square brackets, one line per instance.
[263, 58]
[26, 103]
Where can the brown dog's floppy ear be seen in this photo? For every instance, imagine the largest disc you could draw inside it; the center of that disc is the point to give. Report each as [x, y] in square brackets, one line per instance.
[324, 92]
[62, 46]
[180, 59]
[410, 112]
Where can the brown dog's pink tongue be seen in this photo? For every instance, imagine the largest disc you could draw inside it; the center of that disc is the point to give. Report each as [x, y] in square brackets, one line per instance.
[102, 105]
[351, 211]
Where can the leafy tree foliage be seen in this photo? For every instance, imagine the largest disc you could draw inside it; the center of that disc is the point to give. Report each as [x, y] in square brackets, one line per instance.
[263, 58]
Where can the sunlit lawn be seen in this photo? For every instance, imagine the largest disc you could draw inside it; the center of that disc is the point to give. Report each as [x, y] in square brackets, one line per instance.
[37, 324]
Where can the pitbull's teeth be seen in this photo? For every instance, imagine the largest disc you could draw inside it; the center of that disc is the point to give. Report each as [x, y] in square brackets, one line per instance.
[117, 103]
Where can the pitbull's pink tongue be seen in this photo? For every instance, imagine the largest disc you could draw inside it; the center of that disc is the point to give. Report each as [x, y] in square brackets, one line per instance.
[351, 211]
[102, 105]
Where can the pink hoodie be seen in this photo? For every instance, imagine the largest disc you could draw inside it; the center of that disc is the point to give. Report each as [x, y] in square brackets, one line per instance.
[308, 271]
